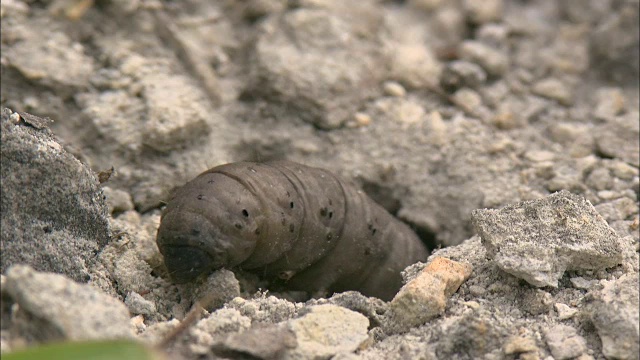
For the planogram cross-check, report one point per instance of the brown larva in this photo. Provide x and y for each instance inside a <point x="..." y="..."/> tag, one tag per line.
<point x="289" y="223"/>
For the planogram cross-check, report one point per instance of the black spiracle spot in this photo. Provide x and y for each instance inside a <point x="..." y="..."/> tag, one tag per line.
<point x="245" y="213"/>
<point x="291" y="205"/>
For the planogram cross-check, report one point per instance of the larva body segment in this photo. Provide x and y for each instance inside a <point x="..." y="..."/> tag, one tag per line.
<point x="286" y="221"/>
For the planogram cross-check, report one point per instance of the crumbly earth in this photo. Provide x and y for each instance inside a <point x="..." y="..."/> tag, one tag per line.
<point x="437" y="109"/>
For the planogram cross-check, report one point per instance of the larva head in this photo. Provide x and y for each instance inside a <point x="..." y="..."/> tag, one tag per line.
<point x="210" y="223"/>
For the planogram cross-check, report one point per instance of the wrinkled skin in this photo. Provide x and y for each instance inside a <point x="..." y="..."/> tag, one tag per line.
<point x="288" y="223"/>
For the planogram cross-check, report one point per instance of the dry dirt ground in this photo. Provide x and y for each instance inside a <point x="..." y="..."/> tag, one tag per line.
<point x="436" y="109"/>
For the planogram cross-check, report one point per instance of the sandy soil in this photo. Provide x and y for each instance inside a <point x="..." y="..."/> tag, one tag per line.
<point x="434" y="108"/>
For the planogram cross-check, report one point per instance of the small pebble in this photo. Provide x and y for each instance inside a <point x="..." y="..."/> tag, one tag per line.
<point x="518" y="345"/>
<point x="553" y="89"/>
<point x="493" y="34"/>
<point x="476" y="290"/>
<point x="483" y="11"/>
<point x="469" y="98"/>
<point x="623" y="170"/>
<point x="427" y="5"/>
<point x="540" y="155"/>
<point x="327" y="330"/>
<point x="414" y="65"/>
<point x="493" y="61"/>
<point x="118" y="201"/>
<point x="359" y="120"/>
<point x="609" y="103"/>
<point x="393" y="88"/>
<point x="460" y="73"/>
<point x="564" y="311"/>
<point x="139" y="305"/>
<point x="564" y="342"/>
<point x="409" y="112"/>
<point x="581" y="283"/>
<point x="472" y="304"/>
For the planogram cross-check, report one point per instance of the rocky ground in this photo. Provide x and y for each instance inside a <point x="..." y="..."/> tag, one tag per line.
<point x="506" y="133"/>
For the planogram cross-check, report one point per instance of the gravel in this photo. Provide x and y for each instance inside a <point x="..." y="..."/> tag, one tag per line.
<point x="505" y="133"/>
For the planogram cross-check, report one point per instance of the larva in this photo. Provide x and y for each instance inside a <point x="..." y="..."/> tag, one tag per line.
<point x="286" y="222"/>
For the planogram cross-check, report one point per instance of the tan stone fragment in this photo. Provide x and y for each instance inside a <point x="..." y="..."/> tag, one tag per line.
<point x="425" y="296"/>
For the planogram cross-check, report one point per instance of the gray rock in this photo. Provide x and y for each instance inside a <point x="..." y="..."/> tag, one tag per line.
<point x="600" y="179"/>
<point x="110" y="113"/>
<point x="564" y="342"/>
<point x="614" y="312"/>
<point x="471" y="336"/>
<point x="614" y="43"/>
<point x="521" y="345"/>
<point x="268" y="309"/>
<point x="458" y="74"/>
<point x="425" y="5"/>
<point x="496" y="35"/>
<point x="371" y="307"/>
<point x="620" y="138"/>
<point x="14" y="8"/>
<point x="173" y="121"/>
<point x="618" y="209"/>
<point x="564" y="311"/>
<point x="393" y="88"/>
<point x="536" y="302"/>
<point x="493" y="61"/>
<point x="221" y="286"/>
<point x="327" y="330"/>
<point x="118" y="201"/>
<point x="210" y="330"/>
<point x="54" y="216"/>
<point x="554" y="89"/>
<point x="139" y="305"/>
<point x="306" y="59"/>
<point x="48" y="62"/>
<point x="259" y="342"/>
<point x="538" y="240"/>
<point x="609" y="102"/>
<point x="585" y="11"/>
<point x="579" y="282"/>
<point x="483" y="11"/>
<point x="414" y="65"/>
<point x="58" y="308"/>
<point x="577" y="138"/>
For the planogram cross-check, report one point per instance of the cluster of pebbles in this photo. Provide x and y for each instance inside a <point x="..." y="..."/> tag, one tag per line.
<point x="506" y="133"/>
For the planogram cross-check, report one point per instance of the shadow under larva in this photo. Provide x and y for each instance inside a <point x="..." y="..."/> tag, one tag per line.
<point x="286" y="222"/>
